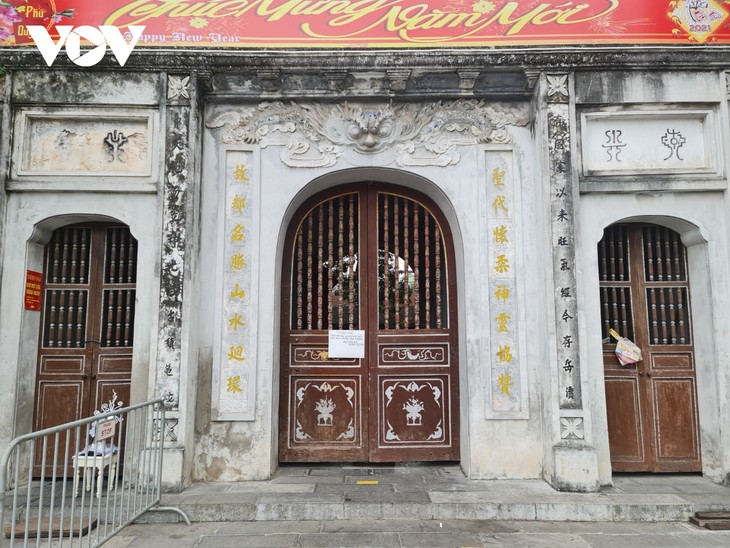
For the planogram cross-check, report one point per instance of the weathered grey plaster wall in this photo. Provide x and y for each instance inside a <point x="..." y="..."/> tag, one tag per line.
<point x="148" y="158"/>
<point x="38" y="201"/>
<point x="230" y="450"/>
<point x="172" y="210"/>
<point x="692" y="202"/>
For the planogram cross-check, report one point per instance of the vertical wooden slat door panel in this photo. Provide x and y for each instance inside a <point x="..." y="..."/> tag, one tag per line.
<point x="322" y="398"/>
<point x="412" y="325"/>
<point x="645" y="296"/>
<point x="364" y="257"/>
<point x="336" y="420"/>
<point x="625" y="433"/>
<point x="116" y="285"/>
<point x="675" y="408"/>
<point x="59" y="401"/>
<point x="87" y="323"/>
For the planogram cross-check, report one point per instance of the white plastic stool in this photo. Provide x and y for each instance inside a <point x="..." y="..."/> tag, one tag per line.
<point x="83" y="462"/>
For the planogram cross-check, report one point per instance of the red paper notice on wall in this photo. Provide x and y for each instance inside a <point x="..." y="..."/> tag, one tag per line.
<point x="33" y="286"/>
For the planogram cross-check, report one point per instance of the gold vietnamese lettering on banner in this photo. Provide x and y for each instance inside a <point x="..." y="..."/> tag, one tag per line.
<point x="507" y="394"/>
<point x="234" y="364"/>
<point x="380" y="23"/>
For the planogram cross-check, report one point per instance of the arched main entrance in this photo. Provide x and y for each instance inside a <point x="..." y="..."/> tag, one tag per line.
<point x="87" y="322"/>
<point x="652" y="406"/>
<point x="377" y="258"/>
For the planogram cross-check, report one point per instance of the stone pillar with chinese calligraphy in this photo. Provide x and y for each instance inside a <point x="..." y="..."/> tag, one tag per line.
<point x="177" y="225"/>
<point x="563" y="241"/>
<point x="574" y="467"/>
<point x="507" y="393"/>
<point x="234" y="363"/>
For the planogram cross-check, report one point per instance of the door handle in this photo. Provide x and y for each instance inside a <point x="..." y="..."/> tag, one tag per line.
<point x="641" y="373"/>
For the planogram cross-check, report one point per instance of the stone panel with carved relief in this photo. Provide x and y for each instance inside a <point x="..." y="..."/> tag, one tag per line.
<point x="57" y="145"/>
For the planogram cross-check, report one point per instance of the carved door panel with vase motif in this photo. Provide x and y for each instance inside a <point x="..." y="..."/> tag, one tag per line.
<point x="651" y="406"/>
<point x="375" y="258"/>
<point x="87" y="324"/>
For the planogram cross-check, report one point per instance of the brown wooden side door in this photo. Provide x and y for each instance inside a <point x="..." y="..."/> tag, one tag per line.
<point x="87" y="325"/>
<point x="651" y="406"/>
<point x="369" y="257"/>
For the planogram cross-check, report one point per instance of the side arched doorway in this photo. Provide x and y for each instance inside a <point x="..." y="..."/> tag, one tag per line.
<point x="87" y="322"/>
<point x="377" y="258"/>
<point x="652" y="411"/>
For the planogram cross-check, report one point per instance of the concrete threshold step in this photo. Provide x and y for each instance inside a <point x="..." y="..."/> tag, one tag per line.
<point x="429" y="506"/>
<point x="438" y="492"/>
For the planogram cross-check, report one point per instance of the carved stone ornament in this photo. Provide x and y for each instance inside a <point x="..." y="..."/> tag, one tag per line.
<point x="115" y="141"/>
<point x="177" y="87"/>
<point x="417" y="134"/>
<point x="170" y="432"/>
<point x="557" y="88"/>
<point x="571" y="428"/>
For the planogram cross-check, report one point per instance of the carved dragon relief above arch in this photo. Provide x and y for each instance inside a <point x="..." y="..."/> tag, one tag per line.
<point x="411" y="134"/>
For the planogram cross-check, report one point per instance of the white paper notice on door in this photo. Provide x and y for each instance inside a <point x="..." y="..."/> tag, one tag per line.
<point x="346" y="343"/>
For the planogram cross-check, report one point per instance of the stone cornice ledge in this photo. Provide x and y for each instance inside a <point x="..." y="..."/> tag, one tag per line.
<point x="563" y="58"/>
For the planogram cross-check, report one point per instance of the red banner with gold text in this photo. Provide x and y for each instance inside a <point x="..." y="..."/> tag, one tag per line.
<point x="381" y="23"/>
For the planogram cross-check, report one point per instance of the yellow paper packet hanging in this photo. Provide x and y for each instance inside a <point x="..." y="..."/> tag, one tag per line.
<point x="626" y="351"/>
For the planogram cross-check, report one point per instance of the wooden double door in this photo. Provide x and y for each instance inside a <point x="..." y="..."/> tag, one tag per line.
<point x="652" y="406"/>
<point x="379" y="259"/>
<point x="87" y="323"/>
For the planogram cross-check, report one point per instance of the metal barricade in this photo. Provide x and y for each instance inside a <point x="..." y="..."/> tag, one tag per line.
<point x="80" y="483"/>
